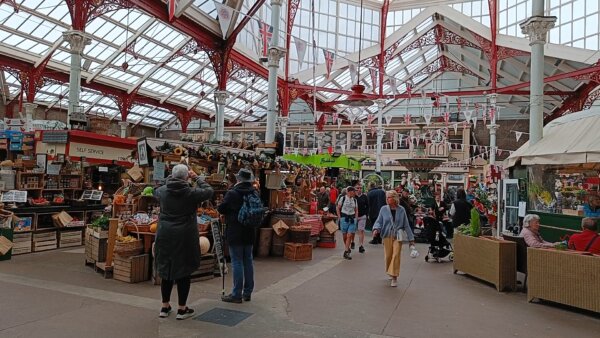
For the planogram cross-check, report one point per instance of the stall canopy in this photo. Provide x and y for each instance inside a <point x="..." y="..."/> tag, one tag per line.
<point x="325" y="161"/>
<point x="571" y="139"/>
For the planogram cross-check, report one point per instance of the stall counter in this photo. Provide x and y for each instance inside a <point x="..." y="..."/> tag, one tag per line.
<point x="554" y="226"/>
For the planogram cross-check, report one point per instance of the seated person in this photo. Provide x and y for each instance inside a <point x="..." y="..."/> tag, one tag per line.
<point x="531" y="234"/>
<point x="592" y="208"/>
<point x="588" y="239"/>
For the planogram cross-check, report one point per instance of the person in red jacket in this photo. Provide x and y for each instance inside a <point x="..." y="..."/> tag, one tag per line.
<point x="588" y="240"/>
<point x="333" y="194"/>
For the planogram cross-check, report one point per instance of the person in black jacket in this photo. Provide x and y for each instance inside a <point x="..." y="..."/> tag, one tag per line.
<point x="440" y="209"/>
<point x="240" y="238"/>
<point x="461" y="209"/>
<point x="377" y="199"/>
<point x="177" y="248"/>
<point x="363" y="209"/>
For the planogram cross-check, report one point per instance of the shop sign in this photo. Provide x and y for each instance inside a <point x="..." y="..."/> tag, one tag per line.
<point x="98" y="152"/>
<point x="55" y="137"/>
<point x="456" y="178"/>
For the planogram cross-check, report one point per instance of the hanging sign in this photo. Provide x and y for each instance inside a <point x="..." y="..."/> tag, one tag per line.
<point x="300" y="50"/>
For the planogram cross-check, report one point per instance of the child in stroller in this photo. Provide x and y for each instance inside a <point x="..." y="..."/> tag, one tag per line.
<point x="439" y="247"/>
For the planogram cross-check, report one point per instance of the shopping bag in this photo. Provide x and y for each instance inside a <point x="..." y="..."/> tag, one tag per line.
<point x="399" y="235"/>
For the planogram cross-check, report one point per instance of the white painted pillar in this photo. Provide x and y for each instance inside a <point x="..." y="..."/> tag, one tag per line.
<point x="123" y="125"/>
<point x="275" y="54"/>
<point x="380" y="105"/>
<point x="29" y="110"/>
<point x="537" y="27"/>
<point x="221" y="99"/>
<point x="493" y="127"/>
<point x="77" y="40"/>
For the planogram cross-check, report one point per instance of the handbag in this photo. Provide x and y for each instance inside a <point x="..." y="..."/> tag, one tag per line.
<point x="399" y="235"/>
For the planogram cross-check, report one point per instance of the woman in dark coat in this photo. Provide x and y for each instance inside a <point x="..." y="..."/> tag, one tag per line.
<point x="177" y="248"/>
<point x="460" y="211"/>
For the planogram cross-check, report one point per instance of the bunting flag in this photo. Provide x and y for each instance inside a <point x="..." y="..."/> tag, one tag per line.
<point x="458" y="103"/>
<point x="455" y="126"/>
<point x="484" y="118"/>
<point x="339" y="122"/>
<point x="518" y="134"/>
<point x="407" y="119"/>
<point x="474" y="147"/>
<point x="172" y="7"/>
<point x="343" y="147"/>
<point x="329" y="57"/>
<point x="373" y="73"/>
<point x="428" y="117"/>
<point x="447" y="104"/>
<point x="393" y="85"/>
<point x="300" y="49"/>
<point x="318" y="115"/>
<point x="266" y="35"/>
<point x="352" y="119"/>
<point x="492" y="113"/>
<point x="334" y="117"/>
<point x="474" y="119"/>
<point x="388" y="119"/>
<point x="498" y="151"/>
<point x="409" y="90"/>
<point x="370" y="118"/>
<point x="446" y="117"/>
<point x="353" y="67"/>
<point x="468" y="114"/>
<point x="224" y="13"/>
<point x="462" y="147"/>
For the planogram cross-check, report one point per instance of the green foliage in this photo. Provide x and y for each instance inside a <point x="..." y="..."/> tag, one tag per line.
<point x="475" y="223"/>
<point x="101" y="222"/>
<point x="464" y="229"/>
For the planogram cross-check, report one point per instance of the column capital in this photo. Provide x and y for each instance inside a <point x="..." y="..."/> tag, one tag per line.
<point x="537" y="27"/>
<point x="493" y="128"/>
<point x="77" y="40"/>
<point x="276" y="2"/>
<point x="380" y="103"/>
<point x="29" y="107"/>
<point x="221" y="96"/>
<point x="283" y="121"/>
<point x="275" y="54"/>
<point x="493" y="98"/>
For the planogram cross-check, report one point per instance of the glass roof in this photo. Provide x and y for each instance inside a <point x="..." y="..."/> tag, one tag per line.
<point x="131" y="50"/>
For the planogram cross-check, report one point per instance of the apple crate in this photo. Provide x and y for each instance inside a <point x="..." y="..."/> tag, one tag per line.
<point x="298" y="251"/>
<point x="21" y="243"/>
<point x="95" y="248"/>
<point x="132" y="269"/>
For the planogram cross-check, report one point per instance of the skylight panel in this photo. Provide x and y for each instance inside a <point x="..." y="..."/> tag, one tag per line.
<point x="14" y="40"/>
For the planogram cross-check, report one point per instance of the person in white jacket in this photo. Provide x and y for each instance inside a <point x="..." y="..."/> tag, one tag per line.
<point x="390" y="224"/>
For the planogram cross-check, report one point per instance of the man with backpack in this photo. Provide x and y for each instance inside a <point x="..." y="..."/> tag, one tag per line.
<point x="347" y="211"/>
<point x="363" y="209"/>
<point x="243" y="211"/>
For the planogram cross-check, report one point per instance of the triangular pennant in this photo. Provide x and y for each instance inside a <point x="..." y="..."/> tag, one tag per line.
<point x="339" y="123"/>
<point x="462" y="147"/>
<point x="224" y="13"/>
<point x="458" y="103"/>
<point x="468" y="114"/>
<point x="318" y="115"/>
<point x="370" y="118"/>
<point x="373" y="73"/>
<point x="455" y="127"/>
<point x="409" y="90"/>
<point x="446" y="117"/>
<point x="334" y="117"/>
<point x="300" y="49"/>
<point x="407" y="119"/>
<point x="428" y="117"/>
<point x="474" y="119"/>
<point x="474" y="147"/>
<point x="353" y="66"/>
<point x="393" y="85"/>
<point x="388" y="119"/>
<point x="518" y="134"/>
<point x="484" y="117"/>
<point x="352" y="119"/>
<point x="343" y="147"/>
<point x="329" y="57"/>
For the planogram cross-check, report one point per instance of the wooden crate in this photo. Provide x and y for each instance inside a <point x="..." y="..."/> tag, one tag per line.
<point x="298" y="251"/>
<point x="70" y="238"/>
<point x="206" y="269"/>
<point x="132" y="269"/>
<point x="95" y="248"/>
<point x="44" y="241"/>
<point x="21" y="243"/>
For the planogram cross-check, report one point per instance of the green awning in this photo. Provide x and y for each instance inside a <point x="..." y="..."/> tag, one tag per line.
<point x="325" y="161"/>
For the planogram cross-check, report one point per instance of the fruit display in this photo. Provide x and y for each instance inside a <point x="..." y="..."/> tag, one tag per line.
<point x="153" y="227"/>
<point x="38" y="201"/>
<point x="210" y="212"/>
<point x="148" y="191"/>
<point x="58" y="199"/>
<point x="126" y="239"/>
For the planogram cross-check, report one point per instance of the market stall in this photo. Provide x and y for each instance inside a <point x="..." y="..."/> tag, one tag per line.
<point x="563" y="171"/>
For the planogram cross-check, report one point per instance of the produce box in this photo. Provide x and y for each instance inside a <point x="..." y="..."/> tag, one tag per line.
<point x="132" y="269"/>
<point x="6" y="244"/>
<point x="21" y="243"/>
<point x="44" y="241"/>
<point x="70" y="238"/>
<point x="298" y="251"/>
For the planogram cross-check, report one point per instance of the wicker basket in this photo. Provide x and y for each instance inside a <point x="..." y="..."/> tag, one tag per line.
<point x="99" y="125"/>
<point x="128" y="249"/>
<point x="299" y="236"/>
<point x="134" y="189"/>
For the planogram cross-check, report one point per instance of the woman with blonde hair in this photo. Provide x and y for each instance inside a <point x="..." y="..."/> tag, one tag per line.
<point x="390" y="224"/>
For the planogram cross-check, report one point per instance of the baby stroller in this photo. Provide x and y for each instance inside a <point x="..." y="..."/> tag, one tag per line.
<point x="439" y="247"/>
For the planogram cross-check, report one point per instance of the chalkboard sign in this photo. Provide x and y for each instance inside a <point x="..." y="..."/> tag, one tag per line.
<point x="94" y="195"/>
<point x="218" y="244"/>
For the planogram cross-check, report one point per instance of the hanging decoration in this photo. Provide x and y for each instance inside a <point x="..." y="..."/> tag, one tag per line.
<point x="318" y="115"/>
<point x="458" y="103"/>
<point x="171" y="8"/>
<point x="300" y="50"/>
<point x="388" y="120"/>
<point x="373" y="73"/>
<point x="407" y="118"/>
<point x="455" y="127"/>
<point x="474" y="119"/>
<point x="428" y="117"/>
<point x="329" y="57"/>
<point x="370" y="118"/>
<point x="446" y="118"/>
<point x="266" y="35"/>
<point x="224" y="13"/>
<point x="468" y="114"/>
<point x="352" y="67"/>
<point x="334" y="117"/>
<point x="518" y="134"/>
<point x="394" y="86"/>
<point x="339" y="123"/>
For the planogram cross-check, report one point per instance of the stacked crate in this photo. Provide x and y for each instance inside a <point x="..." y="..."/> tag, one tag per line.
<point x="21" y="243"/>
<point x="44" y="241"/>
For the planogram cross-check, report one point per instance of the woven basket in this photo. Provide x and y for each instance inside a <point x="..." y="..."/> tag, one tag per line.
<point x="128" y="249"/>
<point x="134" y="189"/>
<point x="99" y="125"/>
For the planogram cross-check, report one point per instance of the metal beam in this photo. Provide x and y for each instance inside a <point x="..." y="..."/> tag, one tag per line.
<point x="158" y="65"/>
<point x="585" y="71"/>
<point x="182" y="83"/>
<point x="50" y="51"/>
<point x="231" y="38"/>
<point x="182" y="5"/>
<point x="120" y="50"/>
<point x="4" y="88"/>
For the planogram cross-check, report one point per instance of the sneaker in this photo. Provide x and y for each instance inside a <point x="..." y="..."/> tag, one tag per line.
<point x="361" y="249"/>
<point x="231" y="299"/>
<point x="246" y="298"/>
<point x="164" y="312"/>
<point x="352" y="246"/>
<point x="184" y="314"/>
<point x="347" y="255"/>
<point x="394" y="283"/>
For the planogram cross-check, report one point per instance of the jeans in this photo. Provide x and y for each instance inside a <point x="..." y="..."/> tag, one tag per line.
<point x="243" y="270"/>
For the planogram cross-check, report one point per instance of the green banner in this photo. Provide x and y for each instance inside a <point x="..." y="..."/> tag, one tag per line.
<point x="325" y="161"/>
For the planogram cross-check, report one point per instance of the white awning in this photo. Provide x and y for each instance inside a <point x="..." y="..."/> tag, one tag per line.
<point x="571" y="139"/>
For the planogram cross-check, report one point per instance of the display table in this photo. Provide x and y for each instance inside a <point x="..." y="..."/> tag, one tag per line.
<point x="565" y="277"/>
<point x="491" y="260"/>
